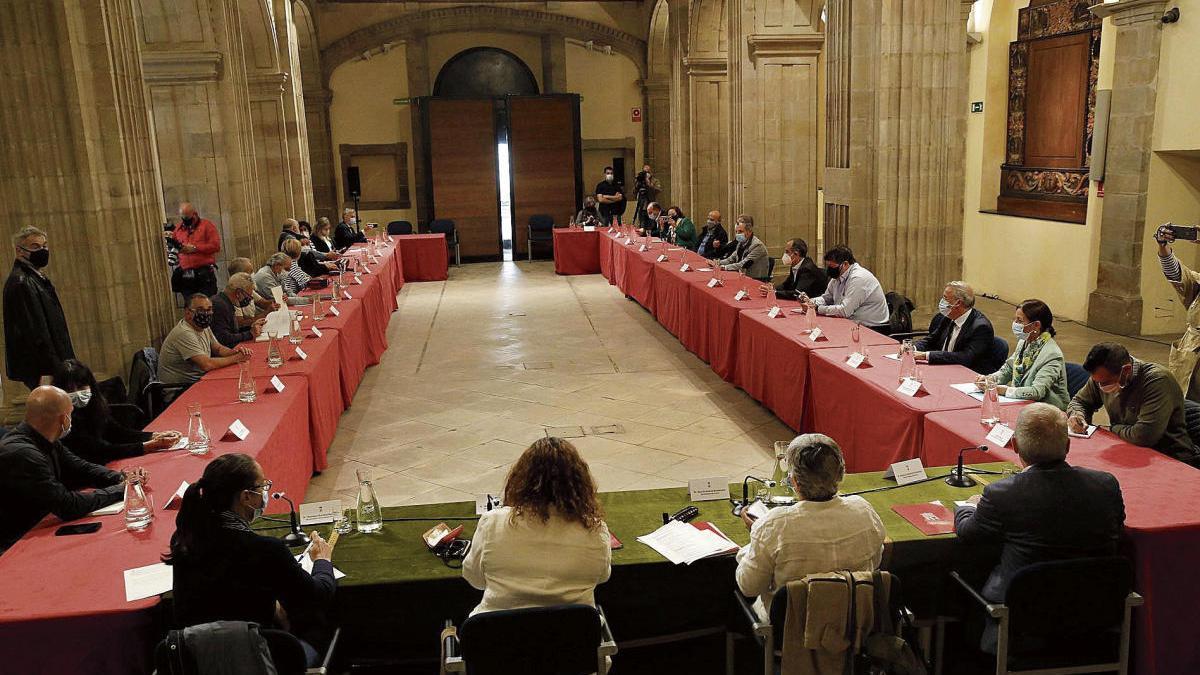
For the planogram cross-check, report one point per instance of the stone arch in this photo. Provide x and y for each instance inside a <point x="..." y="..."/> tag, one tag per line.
<point x="310" y="50"/>
<point x="259" y="39"/>
<point x="485" y="71"/>
<point x="658" y="45"/>
<point x="709" y="29"/>
<point x="485" y="18"/>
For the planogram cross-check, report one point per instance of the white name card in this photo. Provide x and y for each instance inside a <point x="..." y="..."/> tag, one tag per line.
<point x="816" y="334"/>
<point x="774" y="312"/>
<point x="908" y="471"/>
<point x="662" y="258"/>
<point x="685" y="267"/>
<point x="238" y="430"/>
<point x="367" y="270"/>
<point x="709" y="489"/>
<point x="589" y="228"/>
<point x="855" y="360"/>
<point x="175" y="499"/>
<point x="358" y="280"/>
<point x="335" y="311"/>
<point x="714" y="282"/>
<point x="301" y="354"/>
<point x="277" y="384"/>
<point x="317" y="331"/>
<point x="628" y="241"/>
<point x="316" y="513"/>
<point x="642" y="248"/>
<point x="1000" y="435"/>
<point x="909" y="387"/>
<point x="741" y="295"/>
<point x="346" y="295"/>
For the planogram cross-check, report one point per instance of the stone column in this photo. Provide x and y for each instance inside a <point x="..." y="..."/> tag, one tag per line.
<point x="416" y="58"/>
<point x="79" y="163"/>
<point x="295" y="122"/>
<point x="320" y="148"/>
<point x="554" y="64"/>
<point x="657" y="126"/>
<point x="1116" y="304"/>
<point x="678" y="23"/>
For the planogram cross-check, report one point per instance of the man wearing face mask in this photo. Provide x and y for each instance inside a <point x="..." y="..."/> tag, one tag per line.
<point x="654" y="224"/>
<point x="226" y="326"/>
<point x="36" y="338"/>
<point x="610" y="195"/>
<point x="1143" y="401"/>
<point x="713" y="236"/>
<point x="277" y="273"/>
<point x="958" y="333"/>
<point x="853" y="292"/>
<point x="750" y="255"/>
<point x="199" y="242"/>
<point x="803" y="277"/>
<point x="348" y="232"/>
<point x="191" y="349"/>
<point x="36" y="470"/>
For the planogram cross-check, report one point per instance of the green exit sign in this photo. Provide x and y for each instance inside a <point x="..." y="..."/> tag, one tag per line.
<point x="401" y="101"/>
<point x="976" y="106"/>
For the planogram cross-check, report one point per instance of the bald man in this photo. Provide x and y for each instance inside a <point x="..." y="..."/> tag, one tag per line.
<point x="713" y="236"/>
<point x="39" y="476"/>
<point x="199" y="243"/>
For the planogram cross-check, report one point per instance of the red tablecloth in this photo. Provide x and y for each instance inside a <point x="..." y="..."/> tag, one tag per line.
<point x="772" y="356"/>
<point x="605" y="249"/>
<point x="576" y="251"/>
<point x="354" y="354"/>
<point x="638" y="278"/>
<point x="710" y="329"/>
<point x="423" y="256"/>
<point x="320" y="369"/>
<point x="861" y="409"/>
<point x="64" y="608"/>
<point x="1161" y="522"/>
<point x="673" y="292"/>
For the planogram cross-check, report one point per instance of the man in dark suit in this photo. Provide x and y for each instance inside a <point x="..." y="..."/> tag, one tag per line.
<point x="230" y="329"/>
<point x="1049" y="511"/>
<point x="959" y="333"/>
<point x="38" y="475"/>
<point x="803" y="276"/>
<point x="36" y="338"/>
<point x="347" y="231"/>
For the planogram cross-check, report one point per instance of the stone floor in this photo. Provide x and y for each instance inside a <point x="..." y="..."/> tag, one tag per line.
<point x="481" y="365"/>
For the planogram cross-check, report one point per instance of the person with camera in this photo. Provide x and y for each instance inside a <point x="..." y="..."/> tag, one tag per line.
<point x="646" y="187"/>
<point x="1185" y="352"/>
<point x="199" y="242"/>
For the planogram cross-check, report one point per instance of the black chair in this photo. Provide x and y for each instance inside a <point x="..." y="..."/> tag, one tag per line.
<point x="287" y="655"/>
<point x="446" y="226"/>
<point x="1191" y="417"/>
<point x="900" y="316"/>
<point x="1065" y="616"/>
<point x="557" y="640"/>
<point x="541" y="230"/>
<point x="770" y="269"/>
<point x="1076" y="378"/>
<point x="149" y="393"/>
<point x="999" y="354"/>
<point x="399" y="227"/>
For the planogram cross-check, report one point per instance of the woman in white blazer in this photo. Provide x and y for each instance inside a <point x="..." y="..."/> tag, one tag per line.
<point x="548" y="544"/>
<point x="1036" y="369"/>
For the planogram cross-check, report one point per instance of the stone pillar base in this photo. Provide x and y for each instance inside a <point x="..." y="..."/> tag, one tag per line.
<point x="1115" y="313"/>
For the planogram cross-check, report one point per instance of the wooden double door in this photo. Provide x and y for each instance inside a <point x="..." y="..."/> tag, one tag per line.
<point x="461" y="139"/>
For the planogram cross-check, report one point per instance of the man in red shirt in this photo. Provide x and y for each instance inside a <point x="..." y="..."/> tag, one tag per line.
<point x="199" y="241"/>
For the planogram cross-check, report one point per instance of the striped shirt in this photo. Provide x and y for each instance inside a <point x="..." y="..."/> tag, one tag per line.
<point x="1170" y="268"/>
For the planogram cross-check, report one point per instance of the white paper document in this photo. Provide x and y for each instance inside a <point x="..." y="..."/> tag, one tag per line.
<point x="277" y="295"/>
<point x="110" y="510"/>
<point x="971" y="390"/>
<point x="757" y="509"/>
<point x="306" y="564"/>
<point x="681" y="543"/>
<point x="1087" y="433"/>
<point x="894" y="357"/>
<point x="148" y="581"/>
<point x="279" y="322"/>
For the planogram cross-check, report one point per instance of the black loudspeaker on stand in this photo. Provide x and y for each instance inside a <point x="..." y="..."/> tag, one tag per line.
<point x="354" y="187"/>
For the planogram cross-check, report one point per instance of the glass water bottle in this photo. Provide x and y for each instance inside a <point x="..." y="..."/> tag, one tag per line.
<point x="274" y="358"/>
<point x="247" y="393"/>
<point x="139" y="510"/>
<point x="197" y="434"/>
<point x="989" y="412"/>
<point x="295" y="336"/>
<point x="370" y="516"/>
<point x="908" y="361"/>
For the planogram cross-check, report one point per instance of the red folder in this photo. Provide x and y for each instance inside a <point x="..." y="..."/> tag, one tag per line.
<point x="929" y="517"/>
<point x="705" y="525"/>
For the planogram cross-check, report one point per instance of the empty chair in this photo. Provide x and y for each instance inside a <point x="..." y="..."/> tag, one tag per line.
<point x="541" y="230"/>
<point x="556" y="640"/>
<point x="399" y="227"/>
<point x="446" y="226"/>
<point x="1065" y="616"/>
<point x="1076" y="378"/>
<point x="770" y="269"/>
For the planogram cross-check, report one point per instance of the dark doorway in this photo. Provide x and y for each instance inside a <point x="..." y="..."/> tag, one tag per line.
<point x="484" y="72"/>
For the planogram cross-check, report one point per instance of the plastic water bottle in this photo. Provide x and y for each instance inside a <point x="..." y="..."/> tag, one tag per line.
<point x="197" y="434"/>
<point x="370" y="516"/>
<point x="247" y="393"/>
<point x="139" y="511"/>
<point x="989" y="412"/>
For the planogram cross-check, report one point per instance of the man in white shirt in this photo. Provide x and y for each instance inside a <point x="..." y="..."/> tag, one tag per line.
<point x="822" y="532"/>
<point x="959" y="333"/>
<point x="853" y="292"/>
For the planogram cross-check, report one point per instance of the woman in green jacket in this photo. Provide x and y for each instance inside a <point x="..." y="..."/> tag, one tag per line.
<point x="684" y="229"/>
<point x="1036" y="370"/>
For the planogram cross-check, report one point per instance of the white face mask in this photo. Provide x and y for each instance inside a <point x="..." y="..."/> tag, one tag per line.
<point x="786" y="260"/>
<point x="608" y="177"/>
<point x="81" y="398"/>
<point x="258" y="512"/>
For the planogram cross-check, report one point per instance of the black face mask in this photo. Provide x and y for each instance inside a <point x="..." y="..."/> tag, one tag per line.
<point x="245" y="302"/>
<point x="833" y="272"/>
<point x="39" y="258"/>
<point x="202" y="319"/>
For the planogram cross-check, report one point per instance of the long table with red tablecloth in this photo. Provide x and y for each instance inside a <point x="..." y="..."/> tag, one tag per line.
<point x="64" y="608"/>
<point x="576" y="251"/>
<point x="811" y="387"/>
<point x="425" y="256"/>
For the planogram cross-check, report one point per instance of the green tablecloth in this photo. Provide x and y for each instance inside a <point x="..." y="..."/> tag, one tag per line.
<point x="396" y="594"/>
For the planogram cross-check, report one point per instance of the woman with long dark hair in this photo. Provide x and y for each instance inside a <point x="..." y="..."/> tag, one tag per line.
<point x="95" y="435"/>
<point x="548" y="544"/>
<point x="224" y="571"/>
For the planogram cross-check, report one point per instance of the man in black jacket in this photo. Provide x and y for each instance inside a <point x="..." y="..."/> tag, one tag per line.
<point x="1049" y="511"/>
<point x="347" y="231"/>
<point x="959" y="333"/>
<point x="36" y="338"/>
<point x="39" y="476"/>
<point x="230" y="329"/>
<point x="803" y="277"/>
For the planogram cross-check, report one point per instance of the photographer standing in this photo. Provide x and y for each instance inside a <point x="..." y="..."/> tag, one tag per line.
<point x="646" y="187"/>
<point x="610" y="195"/>
<point x="1185" y="352"/>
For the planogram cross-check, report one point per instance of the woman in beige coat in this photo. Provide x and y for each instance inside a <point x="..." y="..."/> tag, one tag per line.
<point x="1185" y="352"/>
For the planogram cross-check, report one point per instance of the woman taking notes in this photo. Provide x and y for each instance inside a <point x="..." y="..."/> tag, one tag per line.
<point x="1036" y="370"/>
<point x="548" y="544"/>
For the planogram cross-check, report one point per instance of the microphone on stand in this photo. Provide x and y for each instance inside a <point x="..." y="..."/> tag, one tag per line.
<point x="958" y="478"/>
<point x="739" y="507"/>
<point x="296" y="538"/>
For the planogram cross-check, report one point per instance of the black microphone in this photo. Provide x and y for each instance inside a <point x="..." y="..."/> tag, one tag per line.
<point x="296" y="537"/>
<point x="737" y="508"/>
<point x="957" y="477"/>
